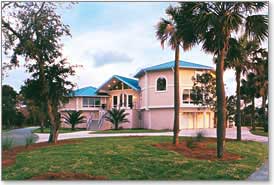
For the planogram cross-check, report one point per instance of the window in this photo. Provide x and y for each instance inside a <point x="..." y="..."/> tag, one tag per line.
<point x="161" y="84"/>
<point x="91" y="102"/>
<point x="130" y="103"/>
<point x="186" y="96"/>
<point x="115" y="101"/>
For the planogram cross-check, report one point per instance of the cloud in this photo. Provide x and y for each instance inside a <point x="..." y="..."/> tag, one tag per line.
<point x="110" y="57"/>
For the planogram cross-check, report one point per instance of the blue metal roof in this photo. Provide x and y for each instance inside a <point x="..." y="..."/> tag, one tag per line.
<point x="169" y="65"/>
<point x="128" y="81"/>
<point x="86" y="91"/>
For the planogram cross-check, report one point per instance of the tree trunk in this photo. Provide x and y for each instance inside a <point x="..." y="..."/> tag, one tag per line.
<point x="72" y="127"/>
<point x="221" y="103"/>
<point x="116" y="126"/>
<point x="264" y="113"/>
<point x="42" y="126"/>
<point x="176" y="97"/>
<point x="238" y="104"/>
<point x="54" y="127"/>
<point x="252" y="114"/>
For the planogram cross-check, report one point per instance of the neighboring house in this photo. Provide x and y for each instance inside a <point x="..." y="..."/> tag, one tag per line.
<point x="148" y="100"/>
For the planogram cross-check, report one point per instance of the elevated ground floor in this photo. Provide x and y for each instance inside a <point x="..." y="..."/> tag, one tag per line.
<point x="157" y="119"/>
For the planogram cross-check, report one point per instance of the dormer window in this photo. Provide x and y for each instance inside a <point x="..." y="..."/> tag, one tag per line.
<point x="161" y="84"/>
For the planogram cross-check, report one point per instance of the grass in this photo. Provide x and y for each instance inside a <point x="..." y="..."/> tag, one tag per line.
<point x="135" y="130"/>
<point x="259" y="131"/>
<point x="134" y="158"/>
<point x="61" y="130"/>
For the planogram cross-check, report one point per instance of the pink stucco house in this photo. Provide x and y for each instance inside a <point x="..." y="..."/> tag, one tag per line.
<point x="148" y="98"/>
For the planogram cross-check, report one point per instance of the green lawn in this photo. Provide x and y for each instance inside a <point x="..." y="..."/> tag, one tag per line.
<point x="61" y="130"/>
<point x="137" y="130"/>
<point x="120" y="158"/>
<point x="259" y="131"/>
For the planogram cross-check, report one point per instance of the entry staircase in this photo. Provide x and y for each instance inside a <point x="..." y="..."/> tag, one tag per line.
<point x="96" y="124"/>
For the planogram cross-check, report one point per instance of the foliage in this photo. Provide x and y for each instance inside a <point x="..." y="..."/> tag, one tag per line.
<point x="29" y="140"/>
<point x="200" y="136"/>
<point x="117" y="116"/>
<point x="215" y="23"/>
<point x="73" y="118"/>
<point x="190" y="143"/>
<point x="128" y="158"/>
<point x="7" y="143"/>
<point x="204" y="90"/>
<point x="177" y="31"/>
<point x="231" y="107"/>
<point x="259" y="131"/>
<point x="12" y="117"/>
<point x="36" y="37"/>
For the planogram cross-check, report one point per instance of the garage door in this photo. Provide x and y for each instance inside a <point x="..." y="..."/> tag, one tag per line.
<point x="187" y="120"/>
<point x="200" y="120"/>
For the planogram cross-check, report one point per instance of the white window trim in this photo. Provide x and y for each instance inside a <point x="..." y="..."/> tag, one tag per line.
<point x="163" y="91"/>
<point x="118" y="101"/>
<point x="189" y="103"/>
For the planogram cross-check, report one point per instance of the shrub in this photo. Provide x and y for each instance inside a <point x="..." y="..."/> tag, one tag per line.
<point x="29" y="140"/>
<point x="7" y="143"/>
<point x="190" y="143"/>
<point x="200" y="136"/>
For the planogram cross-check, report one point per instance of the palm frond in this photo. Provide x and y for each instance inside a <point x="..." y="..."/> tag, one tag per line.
<point x="256" y="27"/>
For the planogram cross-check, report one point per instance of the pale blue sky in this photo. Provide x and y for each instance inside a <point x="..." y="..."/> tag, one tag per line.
<point x="120" y="34"/>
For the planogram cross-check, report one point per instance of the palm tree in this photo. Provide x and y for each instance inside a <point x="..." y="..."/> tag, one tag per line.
<point x="117" y="116"/>
<point x="238" y="58"/>
<point x="261" y="70"/>
<point x="73" y="118"/>
<point x="249" y="89"/>
<point x="215" y="22"/>
<point x="176" y="31"/>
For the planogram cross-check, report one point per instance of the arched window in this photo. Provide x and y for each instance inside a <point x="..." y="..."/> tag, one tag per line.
<point x="161" y="84"/>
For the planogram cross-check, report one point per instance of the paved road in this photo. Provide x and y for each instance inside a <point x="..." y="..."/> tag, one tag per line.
<point x="19" y="135"/>
<point x="261" y="174"/>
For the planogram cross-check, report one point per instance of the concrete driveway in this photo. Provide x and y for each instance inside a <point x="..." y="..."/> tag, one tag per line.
<point x="19" y="135"/>
<point x="230" y="133"/>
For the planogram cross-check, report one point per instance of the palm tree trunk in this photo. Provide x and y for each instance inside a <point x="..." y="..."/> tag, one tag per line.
<point x="238" y="104"/>
<point x="252" y="114"/>
<point x="116" y="126"/>
<point x="221" y="104"/>
<point x="176" y="97"/>
<point x="264" y="114"/>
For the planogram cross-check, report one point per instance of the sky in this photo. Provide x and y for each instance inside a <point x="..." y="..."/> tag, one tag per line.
<point x="111" y="38"/>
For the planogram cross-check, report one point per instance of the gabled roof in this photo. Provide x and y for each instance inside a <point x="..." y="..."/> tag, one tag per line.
<point x="132" y="83"/>
<point x="129" y="81"/>
<point x="169" y="65"/>
<point x="86" y="91"/>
